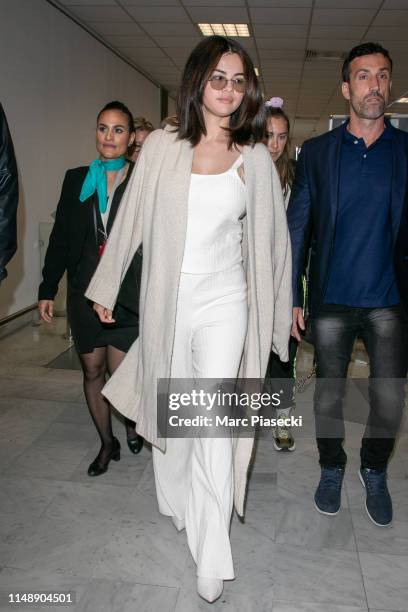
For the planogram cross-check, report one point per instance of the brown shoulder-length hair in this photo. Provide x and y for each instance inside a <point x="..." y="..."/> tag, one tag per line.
<point x="246" y="124"/>
<point x="284" y="165"/>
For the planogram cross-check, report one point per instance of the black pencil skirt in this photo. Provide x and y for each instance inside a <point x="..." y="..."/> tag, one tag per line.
<point x="87" y="330"/>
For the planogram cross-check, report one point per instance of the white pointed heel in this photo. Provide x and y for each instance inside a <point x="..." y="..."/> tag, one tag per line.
<point x="179" y="524"/>
<point x="210" y="589"/>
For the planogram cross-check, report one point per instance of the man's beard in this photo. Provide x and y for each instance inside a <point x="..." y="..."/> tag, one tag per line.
<point x="365" y="110"/>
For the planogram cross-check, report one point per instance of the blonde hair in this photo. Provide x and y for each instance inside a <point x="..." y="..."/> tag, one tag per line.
<point x="141" y="123"/>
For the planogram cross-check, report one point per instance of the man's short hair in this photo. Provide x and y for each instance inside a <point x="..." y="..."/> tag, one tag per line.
<point x="368" y="48"/>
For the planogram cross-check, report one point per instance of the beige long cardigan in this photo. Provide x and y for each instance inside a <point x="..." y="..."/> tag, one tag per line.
<point x="154" y="211"/>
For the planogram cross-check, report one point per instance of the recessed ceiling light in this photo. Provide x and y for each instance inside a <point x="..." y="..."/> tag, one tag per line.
<point x="402" y="101"/>
<point x="230" y="29"/>
<point x="206" y="29"/>
<point x="225" y="29"/>
<point x="218" y="28"/>
<point x="242" y="29"/>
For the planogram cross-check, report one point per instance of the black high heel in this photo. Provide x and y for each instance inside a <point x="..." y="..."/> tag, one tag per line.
<point x="97" y="468"/>
<point x="135" y="444"/>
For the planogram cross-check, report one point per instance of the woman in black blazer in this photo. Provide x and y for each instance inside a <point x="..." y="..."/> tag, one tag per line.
<point x="88" y="205"/>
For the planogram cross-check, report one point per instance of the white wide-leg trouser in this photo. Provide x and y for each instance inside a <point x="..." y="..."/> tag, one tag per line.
<point x="194" y="477"/>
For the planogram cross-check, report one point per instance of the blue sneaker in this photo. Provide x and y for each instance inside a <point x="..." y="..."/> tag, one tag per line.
<point x="328" y="494"/>
<point x="378" y="499"/>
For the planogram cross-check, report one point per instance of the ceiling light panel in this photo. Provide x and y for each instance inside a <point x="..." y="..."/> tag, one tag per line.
<point x="218" y="28"/>
<point x="225" y="29"/>
<point x="206" y="29"/>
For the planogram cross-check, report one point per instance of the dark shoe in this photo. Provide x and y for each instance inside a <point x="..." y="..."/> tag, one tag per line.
<point x="97" y="467"/>
<point x="328" y="494"/>
<point x="135" y="444"/>
<point x="378" y="499"/>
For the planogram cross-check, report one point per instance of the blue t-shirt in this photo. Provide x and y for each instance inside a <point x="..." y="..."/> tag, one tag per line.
<point x="361" y="268"/>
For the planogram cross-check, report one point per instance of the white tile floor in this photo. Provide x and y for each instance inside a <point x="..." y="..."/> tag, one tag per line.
<point x="105" y="539"/>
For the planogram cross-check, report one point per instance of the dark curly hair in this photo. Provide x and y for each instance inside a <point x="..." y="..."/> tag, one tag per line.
<point x="116" y="105"/>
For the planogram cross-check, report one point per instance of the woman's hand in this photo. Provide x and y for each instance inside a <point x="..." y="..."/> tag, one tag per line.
<point x="46" y="310"/>
<point x="104" y="314"/>
<point x="298" y="323"/>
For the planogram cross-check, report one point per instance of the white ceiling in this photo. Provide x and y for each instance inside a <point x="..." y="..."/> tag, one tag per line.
<point x="156" y="36"/>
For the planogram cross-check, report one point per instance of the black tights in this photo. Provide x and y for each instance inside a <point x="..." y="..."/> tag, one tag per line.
<point x="95" y="365"/>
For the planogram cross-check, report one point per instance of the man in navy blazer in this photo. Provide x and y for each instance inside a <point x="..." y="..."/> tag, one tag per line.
<point x="349" y="203"/>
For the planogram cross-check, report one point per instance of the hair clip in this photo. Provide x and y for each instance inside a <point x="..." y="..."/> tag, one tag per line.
<point x="274" y="102"/>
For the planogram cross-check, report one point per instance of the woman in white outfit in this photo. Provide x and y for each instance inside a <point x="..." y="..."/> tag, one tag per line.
<point x="215" y="291"/>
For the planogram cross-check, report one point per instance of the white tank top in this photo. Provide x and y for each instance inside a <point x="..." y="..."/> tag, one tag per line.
<point x="214" y="230"/>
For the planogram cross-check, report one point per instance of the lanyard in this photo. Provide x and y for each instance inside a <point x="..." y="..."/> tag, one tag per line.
<point x="118" y="180"/>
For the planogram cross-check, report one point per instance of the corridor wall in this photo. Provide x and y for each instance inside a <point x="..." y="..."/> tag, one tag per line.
<point x="54" y="78"/>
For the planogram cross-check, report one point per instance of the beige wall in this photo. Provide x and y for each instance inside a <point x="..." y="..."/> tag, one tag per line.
<point x="171" y="107"/>
<point x="54" y="79"/>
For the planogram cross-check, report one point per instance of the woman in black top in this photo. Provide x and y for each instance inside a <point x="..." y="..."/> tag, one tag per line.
<point x="88" y="205"/>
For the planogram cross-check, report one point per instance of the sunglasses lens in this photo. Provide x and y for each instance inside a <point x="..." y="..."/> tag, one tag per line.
<point x="219" y="83"/>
